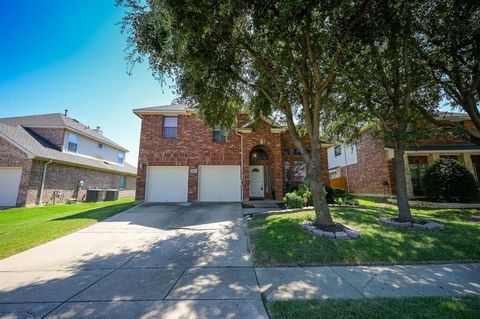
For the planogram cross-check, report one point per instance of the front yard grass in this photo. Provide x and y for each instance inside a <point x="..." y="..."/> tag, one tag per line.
<point x="22" y="228"/>
<point x="278" y="240"/>
<point x="412" y="307"/>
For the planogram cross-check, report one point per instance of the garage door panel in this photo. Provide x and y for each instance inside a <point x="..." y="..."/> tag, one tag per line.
<point x="9" y="185"/>
<point x="219" y="183"/>
<point x="167" y="184"/>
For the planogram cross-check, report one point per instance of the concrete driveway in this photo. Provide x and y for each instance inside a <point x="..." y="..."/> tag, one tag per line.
<point x="167" y="261"/>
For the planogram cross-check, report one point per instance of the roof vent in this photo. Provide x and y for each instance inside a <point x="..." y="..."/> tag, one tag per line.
<point x="98" y="130"/>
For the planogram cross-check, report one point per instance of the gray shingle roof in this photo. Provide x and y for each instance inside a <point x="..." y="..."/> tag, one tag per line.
<point x="21" y="138"/>
<point x="59" y="120"/>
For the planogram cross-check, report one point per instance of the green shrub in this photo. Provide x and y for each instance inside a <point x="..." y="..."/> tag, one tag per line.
<point x="293" y="200"/>
<point x="448" y="179"/>
<point x="304" y="191"/>
<point x="334" y="193"/>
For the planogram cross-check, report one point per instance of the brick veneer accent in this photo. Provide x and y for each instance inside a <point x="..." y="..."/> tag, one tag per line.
<point x="194" y="146"/>
<point x="65" y="179"/>
<point x="11" y="156"/>
<point x="372" y="168"/>
<point x="53" y="135"/>
<point x="59" y="177"/>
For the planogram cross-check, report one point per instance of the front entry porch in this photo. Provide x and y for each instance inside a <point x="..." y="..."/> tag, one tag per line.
<point x="259" y="174"/>
<point x="417" y="163"/>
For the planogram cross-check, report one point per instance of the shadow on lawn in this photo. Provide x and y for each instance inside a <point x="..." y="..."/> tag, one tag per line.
<point x="140" y="260"/>
<point x="99" y="213"/>
<point x="281" y="241"/>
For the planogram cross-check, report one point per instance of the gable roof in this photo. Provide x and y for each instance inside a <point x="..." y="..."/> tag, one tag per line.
<point x="36" y="147"/>
<point x="58" y="120"/>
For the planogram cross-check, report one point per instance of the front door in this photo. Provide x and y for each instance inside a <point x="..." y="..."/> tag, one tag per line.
<point x="256" y="181"/>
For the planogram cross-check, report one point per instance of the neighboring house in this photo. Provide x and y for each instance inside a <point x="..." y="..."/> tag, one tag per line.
<point x="43" y="158"/>
<point x="181" y="159"/>
<point x="370" y="168"/>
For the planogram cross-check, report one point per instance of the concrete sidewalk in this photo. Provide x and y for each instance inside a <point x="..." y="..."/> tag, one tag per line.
<point x="369" y="281"/>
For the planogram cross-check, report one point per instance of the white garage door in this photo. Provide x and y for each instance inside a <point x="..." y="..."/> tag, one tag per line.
<point x="9" y="183"/>
<point x="219" y="183"/>
<point x="166" y="184"/>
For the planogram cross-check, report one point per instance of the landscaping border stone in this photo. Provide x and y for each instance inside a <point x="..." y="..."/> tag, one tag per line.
<point x="339" y="235"/>
<point x="425" y="204"/>
<point x="424" y="225"/>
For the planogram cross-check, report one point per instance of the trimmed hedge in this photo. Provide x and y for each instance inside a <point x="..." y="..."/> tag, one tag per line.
<point x="449" y="180"/>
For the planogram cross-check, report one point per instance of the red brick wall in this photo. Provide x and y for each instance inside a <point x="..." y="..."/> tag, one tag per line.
<point x="53" y="135"/>
<point x="262" y="137"/>
<point x="372" y="168"/>
<point x="65" y="179"/>
<point x="11" y="156"/>
<point x="194" y="146"/>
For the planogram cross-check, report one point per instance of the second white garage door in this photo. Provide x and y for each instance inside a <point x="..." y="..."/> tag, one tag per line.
<point x="167" y="184"/>
<point x="9" y="183"/>
<point x="219" y="183"/>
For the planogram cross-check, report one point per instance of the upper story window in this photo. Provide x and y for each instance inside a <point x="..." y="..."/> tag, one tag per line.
<point x="219" y="135"/>
<point x="337" y="150"/>
<point x="120" y="158"/>
<point x="169" y="126"/>
<point x="72" y="142"/>
<point x="101" y="146"/>
<point x="296" y="151"/>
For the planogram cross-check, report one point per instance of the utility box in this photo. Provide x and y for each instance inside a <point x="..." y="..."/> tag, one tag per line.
<point x="111" y="194"/>
<point x="95" y="195"/>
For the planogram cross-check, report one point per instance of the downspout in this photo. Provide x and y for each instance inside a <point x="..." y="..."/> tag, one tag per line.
<point x="43" y="182"/>
<point x="346" y="168"/>
<point x="241" y="163"/>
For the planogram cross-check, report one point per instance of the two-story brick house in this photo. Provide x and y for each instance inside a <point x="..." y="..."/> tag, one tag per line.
<point x="367" y="166"/>
<point x="181" y="159"/>
<point x="52" y="158"/>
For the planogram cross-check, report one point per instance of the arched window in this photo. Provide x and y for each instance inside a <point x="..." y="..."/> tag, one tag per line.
<point x="258" y="154"/>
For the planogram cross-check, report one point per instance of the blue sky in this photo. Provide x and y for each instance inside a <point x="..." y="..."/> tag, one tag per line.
<point x="58" y="54"/>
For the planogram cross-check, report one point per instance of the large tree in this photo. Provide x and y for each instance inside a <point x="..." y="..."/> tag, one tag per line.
<point x="448" y="38"/>
<point x="268" y="56"/>
<point x="386" y="83"/>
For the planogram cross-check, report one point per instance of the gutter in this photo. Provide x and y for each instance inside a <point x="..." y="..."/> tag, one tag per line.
<point x="346" y="168"/>
<point x="241" y="163"/>
<point x="43" y="182"/>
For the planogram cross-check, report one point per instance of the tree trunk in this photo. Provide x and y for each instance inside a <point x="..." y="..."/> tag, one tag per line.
<point x="404" y="214"/>
<point x="314" y="174"/>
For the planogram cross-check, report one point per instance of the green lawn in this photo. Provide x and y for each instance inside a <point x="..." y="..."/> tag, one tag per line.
<point x="23" y="228"/>
<point x="413" y="307"/>
<point x="278" y="240"/>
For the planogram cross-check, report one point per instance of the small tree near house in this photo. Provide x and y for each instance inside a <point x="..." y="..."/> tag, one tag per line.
<point x="388" y="85"/>
<point x="268" y="56"/>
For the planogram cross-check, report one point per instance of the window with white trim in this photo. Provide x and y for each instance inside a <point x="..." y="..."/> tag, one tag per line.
<point x="337" y="150"/>
<point x="72" y="142"/>
<point x="219" y="135"/>
<point x="169" y="127"/>
<point x="120" y="158"/>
